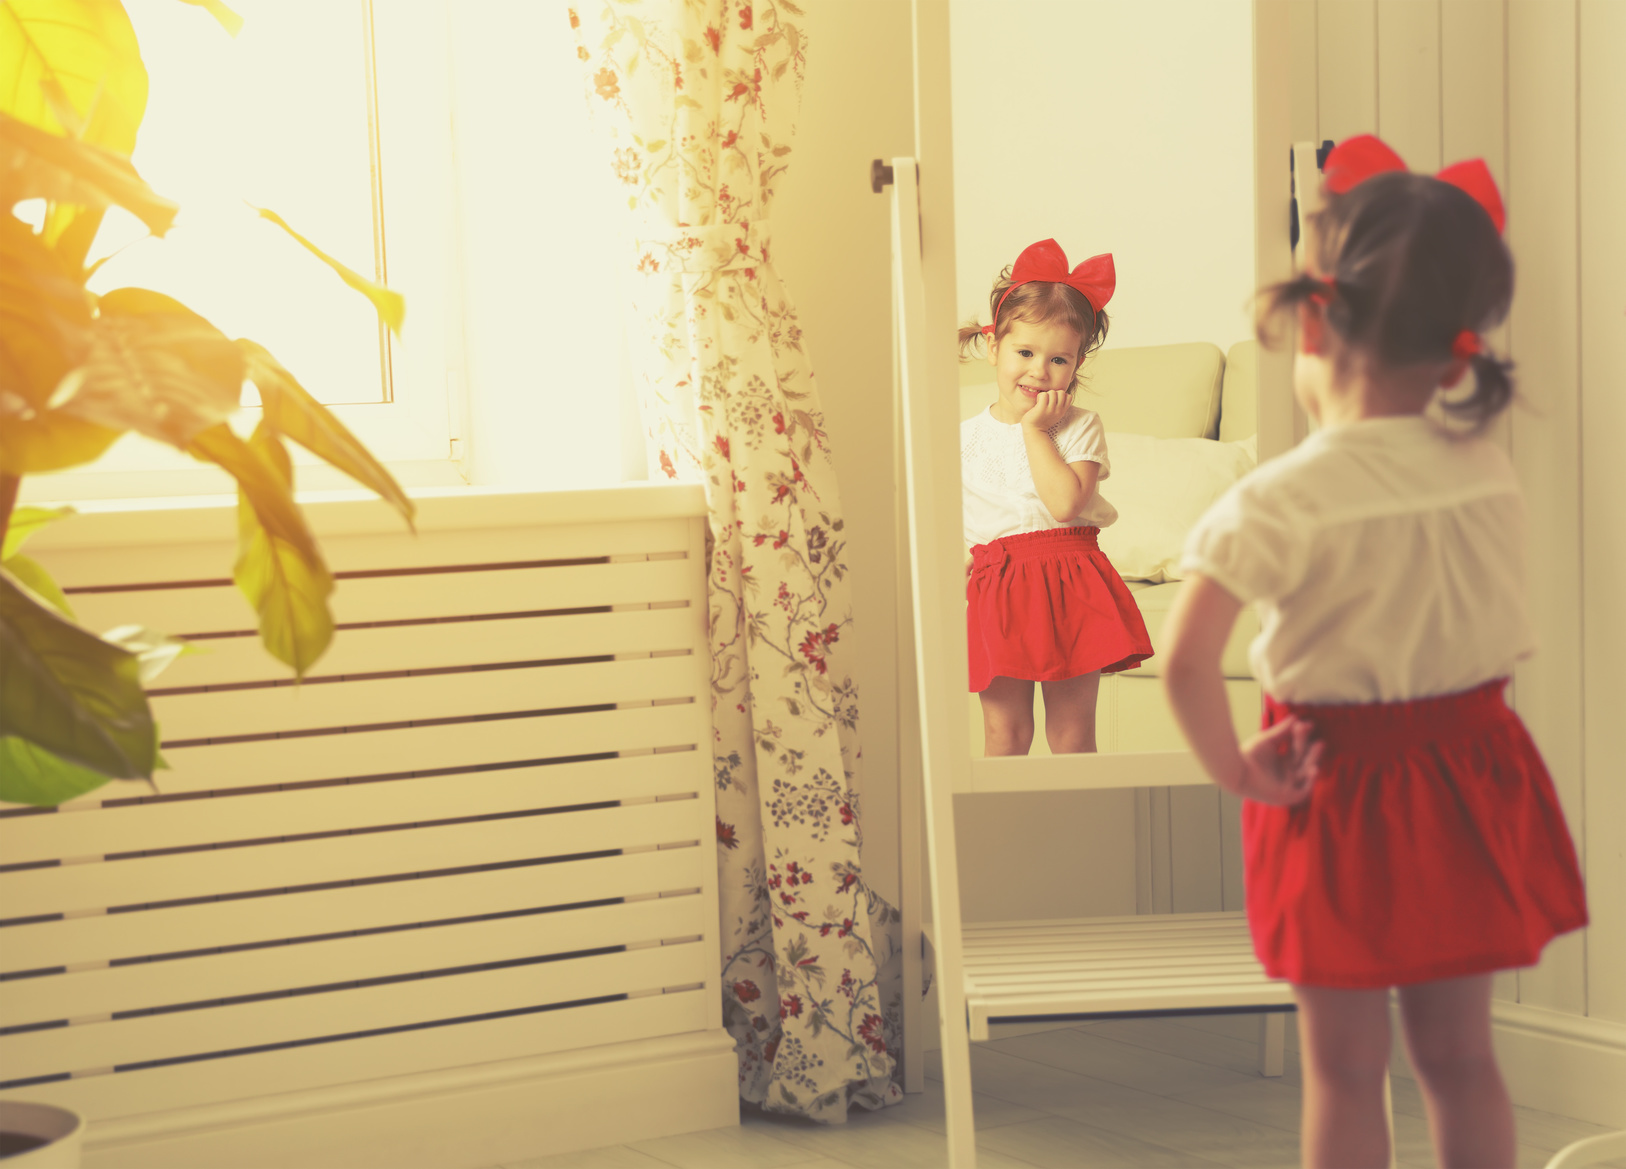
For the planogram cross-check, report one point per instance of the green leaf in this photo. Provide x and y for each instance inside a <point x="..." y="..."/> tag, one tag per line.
<point x="227" y="19"/>
<point x="70" y="692"/>
<point x="390" y="306"/>
<point x="29" y="572"/>
<point x="153" y="650"/>
<point x="292" y="412"/>
<point x="73" y="173"/>
<point x="29" y="774"/>
<point x="25" y="521"/>
<point x="279" y="567"/>
<point x="157" y="368"/>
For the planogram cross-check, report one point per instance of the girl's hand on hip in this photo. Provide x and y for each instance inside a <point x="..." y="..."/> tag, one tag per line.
<point x="1279" y="765"/>
<point x="1048" y="409"/>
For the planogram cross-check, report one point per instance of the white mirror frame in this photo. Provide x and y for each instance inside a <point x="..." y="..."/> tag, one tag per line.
<point x="932" y="643"/>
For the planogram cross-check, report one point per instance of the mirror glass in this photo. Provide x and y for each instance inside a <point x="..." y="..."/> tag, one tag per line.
<point x="1121" y="126"/>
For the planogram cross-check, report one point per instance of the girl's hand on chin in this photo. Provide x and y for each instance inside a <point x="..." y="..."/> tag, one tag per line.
<point x="1279" y="765"/>
<point x="1048" y="409"/>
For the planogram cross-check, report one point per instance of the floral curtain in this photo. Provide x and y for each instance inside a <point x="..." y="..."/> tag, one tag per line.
<point x="700" y="99"/>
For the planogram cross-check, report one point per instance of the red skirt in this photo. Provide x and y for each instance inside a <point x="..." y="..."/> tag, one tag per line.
<point x="1432" y="846"/>
<point x="1048" y="605"/>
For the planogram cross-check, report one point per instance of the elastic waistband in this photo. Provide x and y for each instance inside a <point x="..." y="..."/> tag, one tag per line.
<point x="1361" y="728"/>
<point x="1028" y="545"/>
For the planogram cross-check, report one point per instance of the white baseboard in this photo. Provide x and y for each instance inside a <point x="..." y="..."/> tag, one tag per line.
<point x="464" y="1118"/>
<point x="1557" y="1062"/>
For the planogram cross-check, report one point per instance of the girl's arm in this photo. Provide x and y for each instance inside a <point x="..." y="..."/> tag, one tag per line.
<point x="1064" y="488"/>
<point x="1275" y="767"/>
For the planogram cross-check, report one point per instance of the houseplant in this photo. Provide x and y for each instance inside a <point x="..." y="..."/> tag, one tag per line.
<point x="77" y="370"/>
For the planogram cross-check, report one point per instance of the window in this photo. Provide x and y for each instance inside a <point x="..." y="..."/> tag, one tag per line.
<point x="441" y="148"/>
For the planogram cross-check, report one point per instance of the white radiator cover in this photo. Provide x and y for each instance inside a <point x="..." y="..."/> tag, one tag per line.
<point x="471" y="851"/>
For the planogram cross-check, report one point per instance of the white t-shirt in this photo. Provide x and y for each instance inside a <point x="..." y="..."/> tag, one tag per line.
<point x="1386" y="558"/>
<point x="1000" y="499"/>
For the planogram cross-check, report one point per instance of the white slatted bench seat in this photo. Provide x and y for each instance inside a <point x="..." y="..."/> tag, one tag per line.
<point x="1044" y="971"/>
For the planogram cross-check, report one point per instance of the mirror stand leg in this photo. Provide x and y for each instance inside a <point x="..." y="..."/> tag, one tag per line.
<point x="1272" y="1042"/>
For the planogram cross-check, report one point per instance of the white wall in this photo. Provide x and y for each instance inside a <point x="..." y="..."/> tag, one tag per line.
<point x="1112" y="127"/>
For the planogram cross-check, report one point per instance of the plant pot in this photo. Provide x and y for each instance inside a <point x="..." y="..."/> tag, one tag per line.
<point x="45" y="1136"/>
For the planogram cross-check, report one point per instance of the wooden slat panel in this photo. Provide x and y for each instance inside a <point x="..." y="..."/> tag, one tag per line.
<point x="100" y="885"/>
<point x="141" y="827"/>
<point x="418" y="749"/>
<point x="460" y="643"/>
<point x="1602" y="190"/>
<point x="1543" y="228"/>
<point x="223" y="713"/>
<point x="293" y="1069"/>
<point x="1408" y="39"/>
<point x="1473" y="83"/>
<point x="124" y="1041"/>
<point x="1346" y="55"/>
<point x="80" y="940"/>
<point x="221" y="608"/>
<point x="77" y="567"/>
<point x="215" y="976"/>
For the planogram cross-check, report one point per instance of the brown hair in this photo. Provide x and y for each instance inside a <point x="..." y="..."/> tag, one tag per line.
<point x="1405" y="262"/>
<point x="1037" y="302"/>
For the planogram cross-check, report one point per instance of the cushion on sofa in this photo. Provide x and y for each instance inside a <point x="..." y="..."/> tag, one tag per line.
<point x="1239" y="413"/>
<point x="1154" y="601"/>
<point x="1161" y="486"/>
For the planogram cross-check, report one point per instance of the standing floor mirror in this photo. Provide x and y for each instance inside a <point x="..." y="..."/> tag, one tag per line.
<point x="1159" y="132"/>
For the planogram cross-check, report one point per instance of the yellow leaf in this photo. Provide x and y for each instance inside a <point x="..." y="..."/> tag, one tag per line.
<point x="85" y="49"/>
<point x="279" y="567"/>
<point x="158" y="368"/>
<point x="37" y="165"/>
<point x="85" y="54"/>
<point x="227" y="19"/>
<point x="391" y="306"/>
<point x="25" y="521"/>
<point x="44" y="321"/>
<point x="50" y="441"/>
<point x="292" y="412"/>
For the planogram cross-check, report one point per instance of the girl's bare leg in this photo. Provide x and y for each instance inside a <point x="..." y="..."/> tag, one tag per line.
<point x="1344" y="1035"/>
<point x="1007" y="717"/>
<point x="1448" y="1035"/>
<point x="1069" y="714"/>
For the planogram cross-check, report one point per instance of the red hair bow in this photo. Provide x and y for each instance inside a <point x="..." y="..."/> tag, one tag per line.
<point x="1096" y="277"/>
<point x="1354" y="160"/>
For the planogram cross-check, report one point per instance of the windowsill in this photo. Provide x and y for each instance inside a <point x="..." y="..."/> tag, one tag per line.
<point x="111" y="523"/>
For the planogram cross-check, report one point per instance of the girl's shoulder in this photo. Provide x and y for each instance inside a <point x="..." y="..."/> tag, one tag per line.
<point x="1385" y="466"/>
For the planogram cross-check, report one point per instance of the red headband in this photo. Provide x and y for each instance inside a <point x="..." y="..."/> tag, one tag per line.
<point x="1045" y="262"/>
<point x="1354" y="160"/>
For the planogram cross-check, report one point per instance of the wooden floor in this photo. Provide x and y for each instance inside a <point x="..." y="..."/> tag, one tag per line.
<point x="1141" y="1092"/>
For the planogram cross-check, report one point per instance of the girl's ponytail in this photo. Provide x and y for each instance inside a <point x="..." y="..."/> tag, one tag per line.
<point x="972" y="338"/>
<point x="1493" y="390"/>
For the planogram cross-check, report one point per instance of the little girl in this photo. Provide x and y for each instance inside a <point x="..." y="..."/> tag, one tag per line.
<point x="1043" y="604"/>
<point x="1401" y="829"/>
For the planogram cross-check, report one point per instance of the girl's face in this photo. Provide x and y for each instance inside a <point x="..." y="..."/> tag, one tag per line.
<point x="1032" y="359"/>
